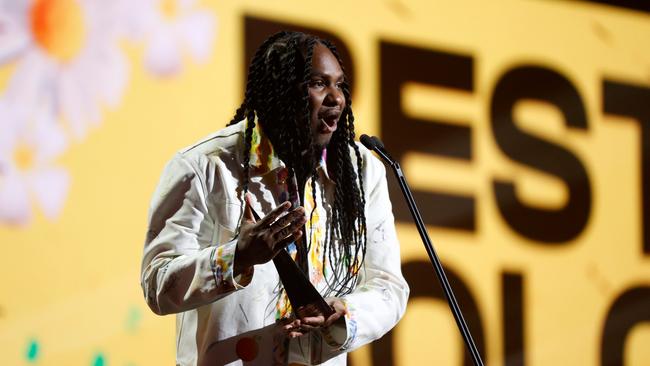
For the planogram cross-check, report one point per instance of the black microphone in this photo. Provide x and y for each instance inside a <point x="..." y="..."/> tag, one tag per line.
<point x="374" y="144"/>
<point x="378" y="142"/>
<point x="368" y="142"/>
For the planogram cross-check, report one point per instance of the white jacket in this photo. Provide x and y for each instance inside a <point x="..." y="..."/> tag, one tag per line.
<point x="187" y="266"/>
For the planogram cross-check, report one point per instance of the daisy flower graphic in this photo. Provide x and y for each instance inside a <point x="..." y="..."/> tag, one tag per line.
<point x="170" y="30"/>
<point x="71" y="59"/>
<point x="27" y="171"/>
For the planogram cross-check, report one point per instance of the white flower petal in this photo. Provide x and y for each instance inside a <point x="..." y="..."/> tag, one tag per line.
<point x="185" y="5"/>
<point x="93" y="91"/>
<point x="13" y="37"/>
<point x="33" y="77"/>
<point x="198" y="32"/>
<point x="50" y="188"/>
<point x="71" y="103"/>
<point x="163" y="55"/>
<point x="48" y="138"/>
<point x="14" y="200"/>
<point x="138" y="18"/>
<point x="113" y="77"/>
<point x="79" y="99"/>
<point x="9" y="128"/>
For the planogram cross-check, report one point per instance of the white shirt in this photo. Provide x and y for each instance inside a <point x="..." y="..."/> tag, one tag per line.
<point x="187" y="266"/>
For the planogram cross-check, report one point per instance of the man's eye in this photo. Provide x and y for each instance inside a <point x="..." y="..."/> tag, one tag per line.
<point x="317" y="83"/>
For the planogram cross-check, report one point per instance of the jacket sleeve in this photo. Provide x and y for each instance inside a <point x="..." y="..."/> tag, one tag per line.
<point x="179" y="271"/>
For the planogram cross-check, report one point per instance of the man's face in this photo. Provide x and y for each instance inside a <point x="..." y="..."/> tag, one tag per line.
<point x="326" y="98"/>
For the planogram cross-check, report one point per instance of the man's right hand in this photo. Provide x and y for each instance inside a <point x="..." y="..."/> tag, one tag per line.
<point x="259" y="241"/>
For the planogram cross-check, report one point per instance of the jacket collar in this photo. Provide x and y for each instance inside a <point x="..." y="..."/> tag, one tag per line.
<point x="263" y="158"/>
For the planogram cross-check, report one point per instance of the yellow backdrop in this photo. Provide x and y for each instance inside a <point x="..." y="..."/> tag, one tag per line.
<point x="523" y="126"/>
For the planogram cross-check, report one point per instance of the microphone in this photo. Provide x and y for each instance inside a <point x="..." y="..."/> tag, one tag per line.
<point x="374" y="144"/>
<point x="378" y="142"/>
<point x="368" y="142"/>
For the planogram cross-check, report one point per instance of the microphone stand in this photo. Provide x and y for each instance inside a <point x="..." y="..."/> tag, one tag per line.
<point x="374" y="144"/>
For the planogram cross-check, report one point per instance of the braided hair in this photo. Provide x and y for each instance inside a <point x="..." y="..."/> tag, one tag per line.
<point x="277" y="96"/>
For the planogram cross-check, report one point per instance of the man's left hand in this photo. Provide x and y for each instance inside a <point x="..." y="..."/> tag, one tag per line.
<point x="311" y="318"/>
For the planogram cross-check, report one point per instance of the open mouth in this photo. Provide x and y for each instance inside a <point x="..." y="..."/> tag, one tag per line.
<point x="329" y="120"/>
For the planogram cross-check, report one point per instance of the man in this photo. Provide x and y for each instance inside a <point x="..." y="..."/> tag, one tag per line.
<point x="289" y="155"/>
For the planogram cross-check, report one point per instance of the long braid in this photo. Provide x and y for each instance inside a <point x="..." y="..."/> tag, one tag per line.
<point x="247" y="146"/>
<point x="307" y="152"/>
<point x="354" y="198"/>
<point x="247" y="108"/>
<point x="360" y="204"/>
<point x="304" y="164"/>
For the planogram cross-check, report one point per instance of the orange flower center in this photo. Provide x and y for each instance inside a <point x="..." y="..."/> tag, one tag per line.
<point x="169" y="9"/>
<point x="58" y="27"/>
<point x="24" y="157"/>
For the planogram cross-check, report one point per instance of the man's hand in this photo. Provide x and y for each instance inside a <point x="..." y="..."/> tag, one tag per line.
<point x="260" y="241"/>
<point x="309" y="318"/>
